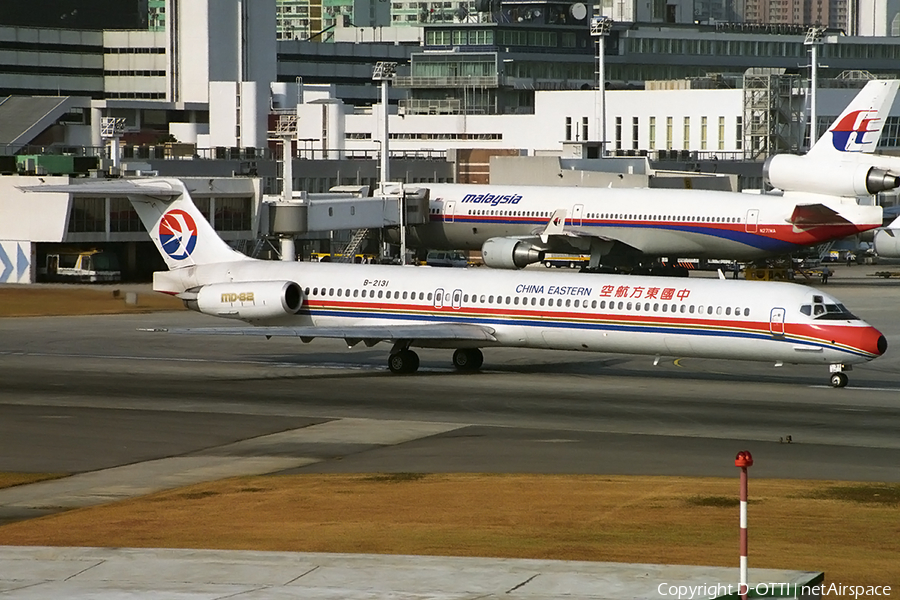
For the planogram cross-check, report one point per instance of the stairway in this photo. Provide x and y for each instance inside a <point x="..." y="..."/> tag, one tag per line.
<point x="353" y="245"/>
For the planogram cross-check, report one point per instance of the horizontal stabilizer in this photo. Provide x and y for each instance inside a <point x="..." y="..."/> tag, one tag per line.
<point x="814" y="215"/>
<point x="435" y="331"/>
<point x="118" y="187"/>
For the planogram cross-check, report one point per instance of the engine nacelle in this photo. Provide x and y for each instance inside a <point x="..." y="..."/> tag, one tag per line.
<point x="509" y="253"/>
<point x="848" y="177"/>
<point x="248" y="300"/>
<point x="887" y="243"/>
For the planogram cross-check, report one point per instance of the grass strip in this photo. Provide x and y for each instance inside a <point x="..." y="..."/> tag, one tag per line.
<point x="848" y="530"/>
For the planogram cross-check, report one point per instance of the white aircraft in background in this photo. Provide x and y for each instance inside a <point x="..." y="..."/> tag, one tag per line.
<point x="817" y="202"/>
<point x="842" y="162"/>
<point x="470" y="309"/>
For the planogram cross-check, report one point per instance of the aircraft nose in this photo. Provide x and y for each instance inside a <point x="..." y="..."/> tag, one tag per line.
<point x="881" y="344"/>
<point x="873" y="342"/>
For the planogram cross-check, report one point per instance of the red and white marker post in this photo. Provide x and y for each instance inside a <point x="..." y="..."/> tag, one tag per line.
<point x="743" y="460"/>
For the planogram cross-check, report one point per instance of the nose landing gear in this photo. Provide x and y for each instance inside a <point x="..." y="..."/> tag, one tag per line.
<point x="839" y="378"/>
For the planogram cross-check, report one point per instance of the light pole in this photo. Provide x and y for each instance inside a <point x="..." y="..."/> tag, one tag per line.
<point x="384" y="72"/>
<point x="813" y="40"/>
<point x="600" y="28"/>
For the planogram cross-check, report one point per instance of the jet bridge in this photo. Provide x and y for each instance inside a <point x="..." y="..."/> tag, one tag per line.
<point x="347" y="210"/>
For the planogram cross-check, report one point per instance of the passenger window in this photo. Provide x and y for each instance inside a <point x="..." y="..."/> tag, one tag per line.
<point x="533" y="301"/>
<point x="746" y="312"/>
<point x="482" y="298"/>
<point x="559" y="301"/>
<point x="542" y="301"/>
<point x="306" y="292"/>
<point x="665" y="308"/>
<point x="628" y="306"/>
<point x="692" y="308"/>
<point x="568" y="302"/>
<point x="656" y="307"/>
<point x="404" y="295"/>
<point x="339" y="292"/>
<point x="621" y="305"/>
<point x="465" y="297"/>
<point x="429" y="296"/>
<point x="576" y="304"/>
<point x="516" y="300"/>
<point x="709" y="310"/>
<point x="647" y="306"/>
<point x="355" y="293"/>
<point x="347" y="292"/>
<point x="727" y="311"/>
<point x="331" y="291"/>
<point x="490" y="299"/>
<point x="718" y="310"/>
<point x="315" y="292"/>
<point x="593" y="304"/>
<point x="396" y="295"/>
<point x="380" y="293"/>
<point x="507" y="299"/>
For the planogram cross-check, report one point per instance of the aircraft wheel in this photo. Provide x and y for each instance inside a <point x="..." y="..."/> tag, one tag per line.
<point x="839" y="380"/>
<point x="468" y="359"/>
<point x="405" y="361"/>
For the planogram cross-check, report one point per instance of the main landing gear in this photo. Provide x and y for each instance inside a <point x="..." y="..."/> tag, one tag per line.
<point x="839" y="378"/>
<point x="403" y="361"/>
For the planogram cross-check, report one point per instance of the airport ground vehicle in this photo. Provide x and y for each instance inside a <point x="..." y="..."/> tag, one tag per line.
<point x="81" y="266"/>
<point x="446" y="258"/>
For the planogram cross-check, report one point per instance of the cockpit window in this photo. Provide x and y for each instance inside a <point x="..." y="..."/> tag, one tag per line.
<point x="828" y="312"/>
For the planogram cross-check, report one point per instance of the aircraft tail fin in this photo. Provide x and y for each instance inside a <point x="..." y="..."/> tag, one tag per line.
<point x="179" y="230"/>
<point x="556" y="225"/>
<point x="859" y="127"/>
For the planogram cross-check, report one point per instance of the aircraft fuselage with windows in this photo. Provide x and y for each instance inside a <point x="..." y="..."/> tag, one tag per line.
<point x="637" y="222"/>
<point x="470" y="309"/>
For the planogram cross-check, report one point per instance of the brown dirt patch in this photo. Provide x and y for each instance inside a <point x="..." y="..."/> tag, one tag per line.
<point x="793" y="524"/>
<point x="14" y="479"/>
<point x="40" y="301"/>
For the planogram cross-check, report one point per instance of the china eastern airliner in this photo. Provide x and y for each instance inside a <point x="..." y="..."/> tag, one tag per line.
<point x="816" y="201"/>
<point x="468" y="310"/>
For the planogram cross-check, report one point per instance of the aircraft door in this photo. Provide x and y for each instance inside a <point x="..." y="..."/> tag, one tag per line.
<point x="752" y="220"/>
<point x="439" y="298"/>
<point x="776" y="322"/>
<point x="577" y="214"/>
<point x="457" y="299"/>
<point x="449" y="211"/>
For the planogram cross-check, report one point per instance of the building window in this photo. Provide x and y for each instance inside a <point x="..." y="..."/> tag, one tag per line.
<point x="703" y="133"/>
<point x="739" y="134"/>
<point x="584" y="128"/>
<point x="721" y="133"/>
<point x="652" y="129"/>
<point x="122" y="216"/>
<point x="233" y="214"/>
<point x="634" y="133"/>
<point x="618" y="133"/>
<point x="669" y="125"/>
<point x="687" y="134"/>
<point x="88" y="214"/>
<point x="568" y="129"/>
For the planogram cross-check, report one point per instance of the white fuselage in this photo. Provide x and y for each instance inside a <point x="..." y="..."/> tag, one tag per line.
<point x="655" y="222"/>
<point x="533" y="308"/>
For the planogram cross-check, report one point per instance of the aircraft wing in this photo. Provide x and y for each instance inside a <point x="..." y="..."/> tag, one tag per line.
<point x="353" y="334"/>
<point x="811" y="215"/>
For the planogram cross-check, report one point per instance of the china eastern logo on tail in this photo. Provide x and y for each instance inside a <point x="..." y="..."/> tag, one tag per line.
<point x="177" y="234"/>
<point x="849" y="135"/>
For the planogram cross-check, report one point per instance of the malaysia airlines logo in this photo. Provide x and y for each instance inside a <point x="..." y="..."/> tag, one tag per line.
<point x="849" y="135"/>
<point x="177" y="234"/>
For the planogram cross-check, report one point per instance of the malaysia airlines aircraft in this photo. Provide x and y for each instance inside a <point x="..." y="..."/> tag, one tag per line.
<point x="817" y="202"/>
<point x="470" y="309"/>
<point x="842" y="160"/>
